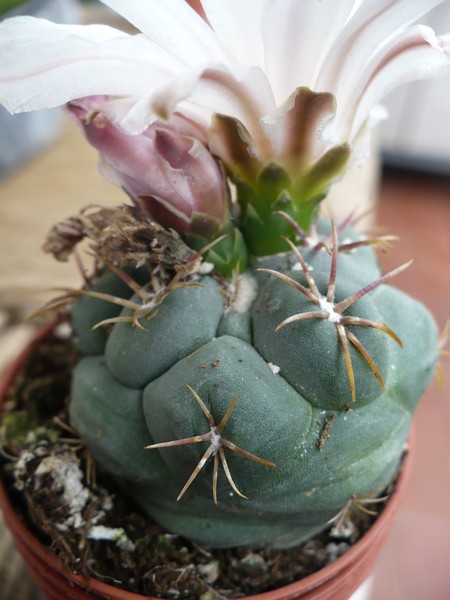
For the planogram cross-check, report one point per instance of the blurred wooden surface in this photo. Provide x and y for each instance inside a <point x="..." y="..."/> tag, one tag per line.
<point x="55" y="185"/>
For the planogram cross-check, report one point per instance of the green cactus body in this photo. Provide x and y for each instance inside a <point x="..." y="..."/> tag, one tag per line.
<point x="137" y="356"/>
<point x="284" y="396"/>
<point x="88" y="311"/>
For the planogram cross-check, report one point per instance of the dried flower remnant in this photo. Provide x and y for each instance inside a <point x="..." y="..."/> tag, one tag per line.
<point x="122" y="234"/>
<point x="126" y="236"/>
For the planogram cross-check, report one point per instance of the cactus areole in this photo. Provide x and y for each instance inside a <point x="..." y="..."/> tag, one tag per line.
<point x="247" y="369"/>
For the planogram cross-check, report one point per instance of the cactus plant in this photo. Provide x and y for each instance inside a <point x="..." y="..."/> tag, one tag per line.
<point x="249" y="411"/>
<point x="242" y="379"/>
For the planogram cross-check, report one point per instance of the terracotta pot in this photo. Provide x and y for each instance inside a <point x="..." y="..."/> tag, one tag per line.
<point x="336" y="581"/>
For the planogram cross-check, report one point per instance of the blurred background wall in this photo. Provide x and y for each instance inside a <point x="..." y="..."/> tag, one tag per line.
<point x="417" y="133"/>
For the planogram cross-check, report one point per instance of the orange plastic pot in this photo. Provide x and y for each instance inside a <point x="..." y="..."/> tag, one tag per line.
<point x="336" y="581"/>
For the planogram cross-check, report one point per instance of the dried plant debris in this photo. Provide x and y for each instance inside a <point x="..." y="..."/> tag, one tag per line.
<point x="95" y="530"/>
<point x="122" y="234"/>
<point x="123" y="239"/>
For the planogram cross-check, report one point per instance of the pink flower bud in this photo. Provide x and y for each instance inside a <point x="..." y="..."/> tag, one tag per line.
<point x="167" y="170"/>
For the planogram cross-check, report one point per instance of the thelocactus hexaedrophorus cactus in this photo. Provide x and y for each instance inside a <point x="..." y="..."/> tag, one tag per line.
<point x="247" y="369"/>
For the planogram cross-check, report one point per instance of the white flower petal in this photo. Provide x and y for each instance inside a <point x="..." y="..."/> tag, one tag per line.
<point x="242" y="93"/>
<point x="158" y="104"/>
<point x="244" y="62"/>
<point x="237" y="24"/>
<point x="372" y="26"/>
<point x="297" y="35"/>
<point x="75" y="61"/>
<point x="367" y="36"/>
<point x="296" y="129"/>
<point x="420" y="55"/>
<point x="174" y="26"/>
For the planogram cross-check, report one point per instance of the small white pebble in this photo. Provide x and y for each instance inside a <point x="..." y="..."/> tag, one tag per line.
<point x="210" y="572"/>
<point x="274" y="368"/>
<point x="111" y="534"/>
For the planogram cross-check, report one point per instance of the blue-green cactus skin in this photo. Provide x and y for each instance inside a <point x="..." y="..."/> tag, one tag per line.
<point x="289" y="384"/>
<point x="359" y="265"/>
<point x="188" y="316"/>
<point x="88" y="311"/>
<point x="237" y="324"/>
<point x="309" y="353"/>
<point x="116" y="427"/>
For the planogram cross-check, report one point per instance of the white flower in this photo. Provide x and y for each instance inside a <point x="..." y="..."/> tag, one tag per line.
<point x="246" y="62"/>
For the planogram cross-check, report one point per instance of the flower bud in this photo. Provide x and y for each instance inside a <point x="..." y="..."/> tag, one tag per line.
<point x="166" y="170"/>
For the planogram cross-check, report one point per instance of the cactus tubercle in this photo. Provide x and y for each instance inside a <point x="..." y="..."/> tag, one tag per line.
<point x="333" y="312"/>
<point x="217" y="443"/>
